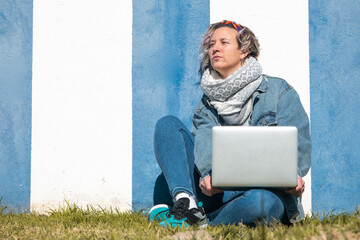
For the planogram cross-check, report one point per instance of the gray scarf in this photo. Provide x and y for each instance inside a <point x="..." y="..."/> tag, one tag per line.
<point x="231" y="96"/>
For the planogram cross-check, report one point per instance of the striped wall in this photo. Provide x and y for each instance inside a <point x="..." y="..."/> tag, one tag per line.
<point x="83" y="82"/>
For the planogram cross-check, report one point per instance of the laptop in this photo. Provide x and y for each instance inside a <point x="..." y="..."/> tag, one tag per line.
<point x="254" y="157"/>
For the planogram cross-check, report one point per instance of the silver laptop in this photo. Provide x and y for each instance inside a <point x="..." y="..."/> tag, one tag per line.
<point x="254" y="156"/>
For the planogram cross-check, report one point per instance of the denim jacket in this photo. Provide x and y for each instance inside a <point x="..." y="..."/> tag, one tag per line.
<point x="275" y="103"/>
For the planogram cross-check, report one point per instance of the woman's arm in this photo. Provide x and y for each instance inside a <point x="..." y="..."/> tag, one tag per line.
<point x="291" y="113"/>
<point x="204" y="119"/>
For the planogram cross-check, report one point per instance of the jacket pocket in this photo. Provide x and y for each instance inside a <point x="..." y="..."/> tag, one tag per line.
<point x="267" y="119"/>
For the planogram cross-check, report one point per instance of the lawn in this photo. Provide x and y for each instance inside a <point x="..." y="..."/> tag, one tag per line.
<point x="72" y="222"/>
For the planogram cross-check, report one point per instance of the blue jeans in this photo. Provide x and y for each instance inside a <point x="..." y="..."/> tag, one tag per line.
<point x="174" y="151"/>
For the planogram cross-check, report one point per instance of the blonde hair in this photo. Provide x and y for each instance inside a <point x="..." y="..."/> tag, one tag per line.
<point x="247" y="41"/>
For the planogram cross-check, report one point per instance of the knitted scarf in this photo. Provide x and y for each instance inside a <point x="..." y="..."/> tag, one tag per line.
<point x="231" y="96"/>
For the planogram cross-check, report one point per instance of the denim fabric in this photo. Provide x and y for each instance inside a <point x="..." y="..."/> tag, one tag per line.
<point x="174" y="147"/>
<point x="275" y="103"/>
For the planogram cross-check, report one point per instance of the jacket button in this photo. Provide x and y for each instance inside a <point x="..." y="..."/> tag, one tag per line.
<point x="263" y="121"/>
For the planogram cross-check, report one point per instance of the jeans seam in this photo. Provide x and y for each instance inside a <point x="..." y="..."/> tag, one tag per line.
<point x="182" y="137"/>
<point x="183" y="141"/>
<point x="180" y="129"/>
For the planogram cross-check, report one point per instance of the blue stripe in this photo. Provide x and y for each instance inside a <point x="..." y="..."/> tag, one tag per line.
<point x="15" y="103"/>
<point x="166" y="40"/>
<point x="335" y="108"/>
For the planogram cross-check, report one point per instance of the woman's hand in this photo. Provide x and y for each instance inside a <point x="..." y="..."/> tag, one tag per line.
<point x="207" y="189"/>
<point x="298" y="190"/>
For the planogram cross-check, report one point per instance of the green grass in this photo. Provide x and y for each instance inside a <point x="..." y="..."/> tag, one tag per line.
<point x="72" y="222"/>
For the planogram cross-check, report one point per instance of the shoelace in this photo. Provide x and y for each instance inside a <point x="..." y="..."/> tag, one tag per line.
<point x="178" y="211"/>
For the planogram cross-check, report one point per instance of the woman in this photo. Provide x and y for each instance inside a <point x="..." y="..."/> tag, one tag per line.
<point x="235" y="93"/>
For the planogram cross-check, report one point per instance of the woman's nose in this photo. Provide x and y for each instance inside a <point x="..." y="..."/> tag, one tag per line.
<point x="215" y="48"/>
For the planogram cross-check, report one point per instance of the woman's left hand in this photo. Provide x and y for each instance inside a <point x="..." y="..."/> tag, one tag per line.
<point x="298" y="190"/>
<point x="207" y="188"/>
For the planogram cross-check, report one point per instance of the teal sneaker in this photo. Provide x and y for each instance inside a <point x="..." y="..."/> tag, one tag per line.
<point x="158" y="212"/>
<point x="182" y="216"/>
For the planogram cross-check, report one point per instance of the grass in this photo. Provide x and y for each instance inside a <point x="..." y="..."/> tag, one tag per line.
<point x="72" y="222"/>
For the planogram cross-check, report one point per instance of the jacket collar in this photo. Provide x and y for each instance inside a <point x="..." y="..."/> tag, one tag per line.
<point x="264" y="86"/>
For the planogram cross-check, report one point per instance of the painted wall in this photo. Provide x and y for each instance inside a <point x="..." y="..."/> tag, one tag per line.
<point x="335" y="107"/>
<point x="15" y="103"/>
<point x="104" y="72"/>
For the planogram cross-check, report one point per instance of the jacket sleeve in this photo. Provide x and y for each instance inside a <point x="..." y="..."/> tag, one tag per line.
<point x="203" y="121"/>
<point x="291" y="113"/>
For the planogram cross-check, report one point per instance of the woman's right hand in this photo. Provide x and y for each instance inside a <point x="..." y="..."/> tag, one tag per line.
<point x="207" y="188"/>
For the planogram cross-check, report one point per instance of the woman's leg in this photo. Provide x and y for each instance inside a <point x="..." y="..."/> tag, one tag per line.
<point x="174" y="151"/>
<point x="249" y="207"/>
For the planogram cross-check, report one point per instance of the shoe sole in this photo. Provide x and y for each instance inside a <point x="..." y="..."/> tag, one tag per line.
<point x="162" y="208"/>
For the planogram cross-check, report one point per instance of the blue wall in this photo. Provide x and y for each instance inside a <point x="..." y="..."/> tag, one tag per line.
<point x="166" y="40"/>
<point x="15" y="102"/>
<point x="335" y="107"/>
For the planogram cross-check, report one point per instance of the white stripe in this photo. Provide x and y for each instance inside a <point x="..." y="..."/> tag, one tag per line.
<point x="282" y="27"/>
<point x="81" y="122"/>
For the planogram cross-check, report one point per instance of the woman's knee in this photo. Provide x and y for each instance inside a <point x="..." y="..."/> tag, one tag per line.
<point x="165" y="126"/>
<point x="169" y="125"/>
<point x="167" y="121"/>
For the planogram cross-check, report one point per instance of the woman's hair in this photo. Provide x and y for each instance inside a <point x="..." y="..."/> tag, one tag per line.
<point x="246" y="40"/>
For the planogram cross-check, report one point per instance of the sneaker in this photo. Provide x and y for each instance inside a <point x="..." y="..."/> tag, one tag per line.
<point x="158" y="212"/>
<point x="182" y="216"/>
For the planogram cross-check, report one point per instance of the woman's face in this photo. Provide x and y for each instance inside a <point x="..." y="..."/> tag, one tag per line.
<point x="225" y="55"/>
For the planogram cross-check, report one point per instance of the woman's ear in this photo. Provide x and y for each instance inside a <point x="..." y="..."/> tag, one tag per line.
<point x="243" y="56"/>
